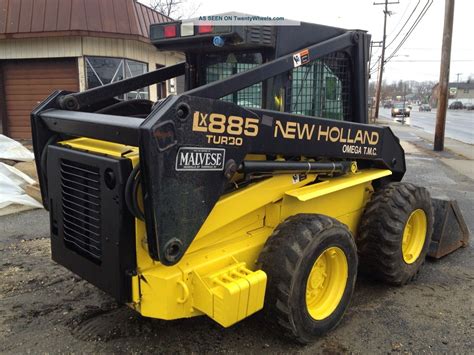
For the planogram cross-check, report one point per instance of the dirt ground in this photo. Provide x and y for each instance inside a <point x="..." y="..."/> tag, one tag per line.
<point x="45" y="308"/>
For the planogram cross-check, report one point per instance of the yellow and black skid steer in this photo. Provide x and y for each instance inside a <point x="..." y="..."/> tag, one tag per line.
<point x="261" y="186"/>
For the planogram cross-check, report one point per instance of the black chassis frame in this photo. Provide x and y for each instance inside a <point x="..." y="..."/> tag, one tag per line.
<point x="178" y="202"/>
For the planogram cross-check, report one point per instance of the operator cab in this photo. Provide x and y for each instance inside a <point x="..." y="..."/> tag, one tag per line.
<point x="328" y="87"/>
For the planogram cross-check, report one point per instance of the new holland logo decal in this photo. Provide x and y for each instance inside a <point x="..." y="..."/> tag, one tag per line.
<point x="203" y="159"/>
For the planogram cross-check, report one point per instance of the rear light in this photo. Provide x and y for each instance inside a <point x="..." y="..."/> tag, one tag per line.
<point x="187" y="29"/>
<point x="170" y="31"/>
<point x="205" y="29"/>
<point x="158" y="32"/>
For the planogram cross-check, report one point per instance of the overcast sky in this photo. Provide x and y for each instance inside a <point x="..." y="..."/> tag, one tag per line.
<point x="418" y="59"/>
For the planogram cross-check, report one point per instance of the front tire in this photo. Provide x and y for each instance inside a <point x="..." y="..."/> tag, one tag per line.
<point x="395" y="233"/>
<point x="311" y="264"/>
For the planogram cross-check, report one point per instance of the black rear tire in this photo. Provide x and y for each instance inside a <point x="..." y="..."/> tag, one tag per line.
<point x="381" y="233"/>
<point x="289" y="257"/>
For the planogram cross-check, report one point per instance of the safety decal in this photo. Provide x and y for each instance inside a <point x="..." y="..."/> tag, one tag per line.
<point x="296" y="178"/>
<point x="300" y="58"/>
<point x="203" y="159"/>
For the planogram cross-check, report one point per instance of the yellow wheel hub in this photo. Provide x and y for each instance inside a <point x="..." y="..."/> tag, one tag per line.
<point x="414" y="236"/>
<point x="326" y="283"/>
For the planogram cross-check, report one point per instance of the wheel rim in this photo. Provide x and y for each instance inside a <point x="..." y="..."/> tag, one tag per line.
<point x="414" y="236"/>
<point x="326" y="283"/>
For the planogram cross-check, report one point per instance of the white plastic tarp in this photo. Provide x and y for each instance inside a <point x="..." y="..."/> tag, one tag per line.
<point x="11" y="191"/>
<point x="13" y="150"/>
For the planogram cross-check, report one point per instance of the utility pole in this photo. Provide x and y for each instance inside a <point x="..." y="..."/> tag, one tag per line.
<point x="458" y="75"/>
<point x="444" y="76"/>
<point x="373" y="44"/>
<point x="382" y="56"/>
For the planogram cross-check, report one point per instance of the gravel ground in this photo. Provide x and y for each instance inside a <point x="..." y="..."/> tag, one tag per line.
<point x="45" y="308"/>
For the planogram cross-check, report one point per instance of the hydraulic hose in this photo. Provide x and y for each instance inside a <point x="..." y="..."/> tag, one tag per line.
<point x="131" y="193"/>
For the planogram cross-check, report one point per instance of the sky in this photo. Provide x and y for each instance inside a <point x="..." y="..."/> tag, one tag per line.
<point x="419" y="57"/>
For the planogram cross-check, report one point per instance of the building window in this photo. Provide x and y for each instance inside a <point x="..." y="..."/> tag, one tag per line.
<point x="104" y="70"/>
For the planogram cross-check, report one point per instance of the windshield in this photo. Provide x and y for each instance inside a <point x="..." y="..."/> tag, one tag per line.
<point x="399" y="106"/>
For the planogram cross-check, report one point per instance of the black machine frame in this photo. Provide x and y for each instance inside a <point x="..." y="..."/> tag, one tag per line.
<point x="182" y="121"/>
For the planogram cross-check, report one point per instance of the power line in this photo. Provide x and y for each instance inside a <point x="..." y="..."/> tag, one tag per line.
<point x="376" y="63"/>
<point x="401" y="29"/>
<point x="374" y="44"/>
<point x="382" y="56"/>
<point x="399" y="21"/>
<point x="412" y="28"/>
<point x="429" y="60"/>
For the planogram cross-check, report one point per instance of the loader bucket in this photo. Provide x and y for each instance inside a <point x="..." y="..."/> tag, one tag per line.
<point x="450" y="231"/>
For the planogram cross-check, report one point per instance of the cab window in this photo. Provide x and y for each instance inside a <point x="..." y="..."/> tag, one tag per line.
<point x="221" y="66"/>
<point x="321" y="88"/>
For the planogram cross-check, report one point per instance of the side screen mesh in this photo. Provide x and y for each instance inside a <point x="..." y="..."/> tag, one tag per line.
<point x="322" y="88"/>
<point x="220" y="67"/>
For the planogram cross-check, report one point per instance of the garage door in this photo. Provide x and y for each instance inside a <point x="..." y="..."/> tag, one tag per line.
<point x="28" y="82"/>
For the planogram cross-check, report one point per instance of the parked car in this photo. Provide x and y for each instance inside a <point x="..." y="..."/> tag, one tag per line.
<point x="424" y="107"/>
<point x="469" y="107"/>
<point x="400" y="110"/>
<point x="456" y="105"/>
<point x="387" y="105"/>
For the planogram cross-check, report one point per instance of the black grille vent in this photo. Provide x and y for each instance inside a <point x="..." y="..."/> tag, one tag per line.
<point x="80" y="185"/>
<point x="261" y="35"/>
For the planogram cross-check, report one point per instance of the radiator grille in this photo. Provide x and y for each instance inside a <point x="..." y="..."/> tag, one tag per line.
<point x="80" y="185"/>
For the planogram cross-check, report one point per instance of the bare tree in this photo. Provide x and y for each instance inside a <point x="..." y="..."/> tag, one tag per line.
<point x="176" y="9"/>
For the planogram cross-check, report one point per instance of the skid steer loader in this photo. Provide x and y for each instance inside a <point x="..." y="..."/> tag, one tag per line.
<point x="261" y="186"/>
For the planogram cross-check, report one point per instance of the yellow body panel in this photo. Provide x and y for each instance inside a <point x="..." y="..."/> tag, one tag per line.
<point x="218" y="275"/>
<point x="101" y="147"/>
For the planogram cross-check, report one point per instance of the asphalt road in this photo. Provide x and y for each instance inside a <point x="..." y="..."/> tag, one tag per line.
<point x="459" y="123"/>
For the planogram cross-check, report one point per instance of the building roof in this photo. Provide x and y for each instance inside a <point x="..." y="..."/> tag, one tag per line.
<point x="462" y="86"/>
<point x="104" y="18"/>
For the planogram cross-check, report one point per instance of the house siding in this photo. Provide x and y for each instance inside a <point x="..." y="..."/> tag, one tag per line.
<point x="77" y="46"/>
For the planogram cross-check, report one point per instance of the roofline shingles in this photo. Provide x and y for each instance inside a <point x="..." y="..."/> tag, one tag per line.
<point x="64" y="15"/>
<point x="117" y="17"/>
<point x="107" y="14"/>
<point x="13" y="16"/>
<point x="132" y="18"/>
<point x="3" y="15"/>
<point x="141" y="20"/>
<point x="121" y="17"/>
<point x="26" y="14"/>
<point x="37" y="20"/>
<point x="151" y="19"/>
<point x="146" y="19"/>
<point x="51" y="15"/>
<point x="93" y="19"/>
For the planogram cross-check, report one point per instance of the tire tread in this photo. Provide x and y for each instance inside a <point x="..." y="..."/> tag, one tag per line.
<point x="382" y="226"/>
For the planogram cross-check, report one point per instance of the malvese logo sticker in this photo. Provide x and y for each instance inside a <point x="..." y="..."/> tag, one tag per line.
<point x="204" y="159"/>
